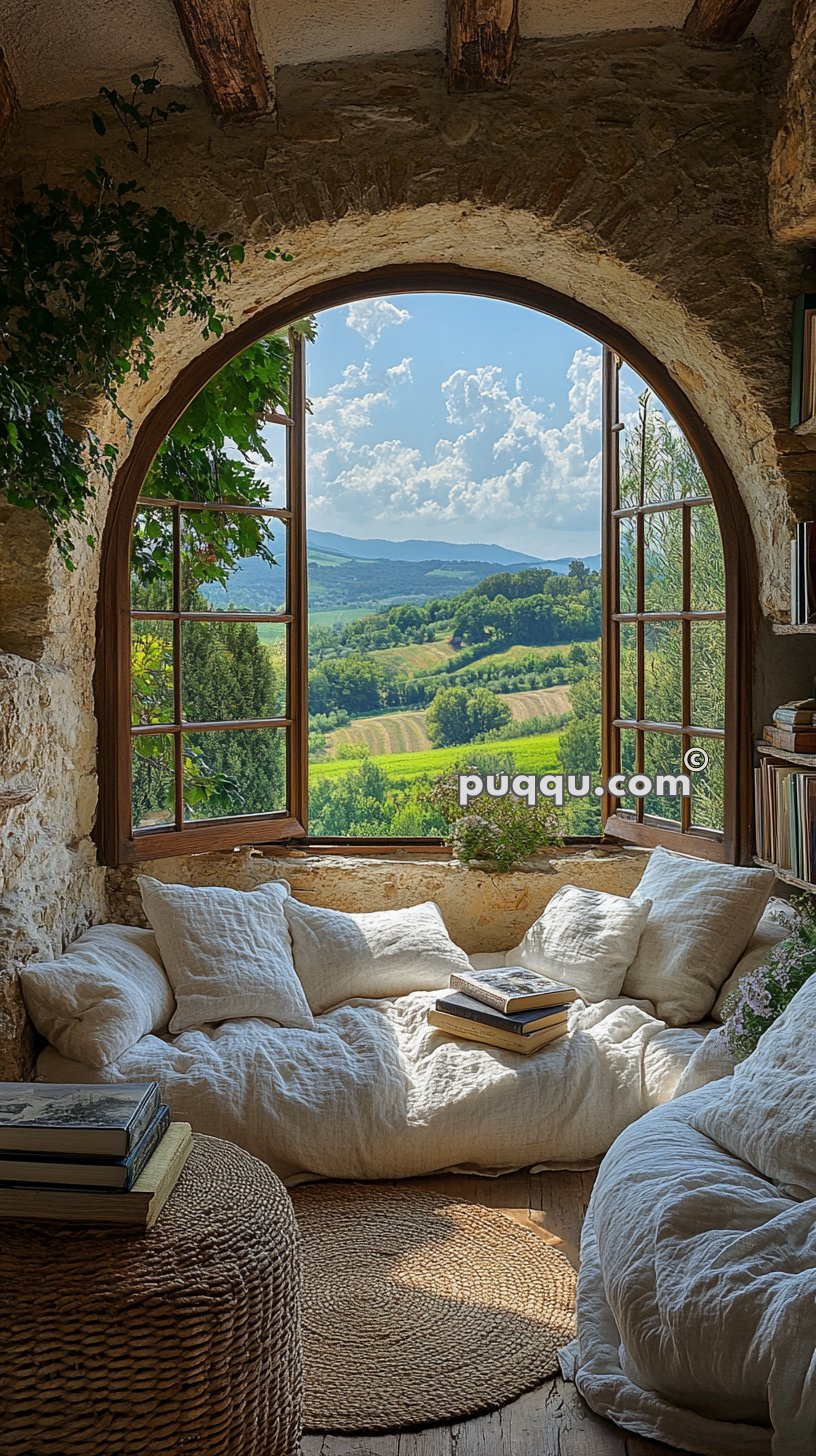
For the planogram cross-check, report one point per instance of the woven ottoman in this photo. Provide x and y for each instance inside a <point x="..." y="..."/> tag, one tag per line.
<point x="184" y="1339"/>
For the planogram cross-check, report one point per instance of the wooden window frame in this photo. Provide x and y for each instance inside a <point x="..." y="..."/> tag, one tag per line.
<point x="116" y="842"/>
<point x="130" y="844"/>
<point x="635" y="826"/>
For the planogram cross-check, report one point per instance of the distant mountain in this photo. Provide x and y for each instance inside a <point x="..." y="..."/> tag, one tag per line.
<point x="378" y="549"/>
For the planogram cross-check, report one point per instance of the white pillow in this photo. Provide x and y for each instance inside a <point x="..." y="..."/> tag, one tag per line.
<point x="767" y="935"/>
<point x="227" y="953"/>
<point x="702" y="917"/>
<point x="587" y="938"/>
<point x="767" y="1115"/>
<point x="382" y="953"/>
<point x="102" y="995"/>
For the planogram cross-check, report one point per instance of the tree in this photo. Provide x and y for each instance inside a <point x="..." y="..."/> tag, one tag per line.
<point x="458" y="715"/>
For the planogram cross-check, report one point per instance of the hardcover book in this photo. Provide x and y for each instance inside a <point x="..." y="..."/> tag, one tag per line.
<point x="138" y="1208"/>
<point x="792" y="740"/>
<point x="513" y="988"/>
<point x="490" y="1036"/>
<point x="70" y="1172"/>
<point x="74" y="1118"/>
<point x="521" y="1023"/>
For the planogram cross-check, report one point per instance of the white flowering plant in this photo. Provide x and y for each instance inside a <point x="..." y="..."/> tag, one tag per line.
<point x="762" y="996"/>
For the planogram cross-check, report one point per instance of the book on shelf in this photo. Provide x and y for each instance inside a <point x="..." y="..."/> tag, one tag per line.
<point x="803" y="574"/>
<point x="513" y="988"/>
<point x="785" y="798"/>
<point x="461" y="1026"/>
<point x="520" y="1023"/>
<point x="102" y="1120"/>
<point x="801" y="714"/>
<point x="61" y="1170"/>
<point x="791" y="740"/>
<point x="138" y="1208"/>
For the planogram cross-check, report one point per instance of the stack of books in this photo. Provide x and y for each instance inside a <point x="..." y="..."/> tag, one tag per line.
<point x="786" y="818"/>
<point x="511" y="1007"/>
<point x="794" y="727"/>
<point x="803" y="574"/>
<point x="71" y="1153"/>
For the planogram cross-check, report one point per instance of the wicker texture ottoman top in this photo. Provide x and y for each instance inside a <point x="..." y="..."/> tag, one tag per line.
<point x="184" y="1339"/>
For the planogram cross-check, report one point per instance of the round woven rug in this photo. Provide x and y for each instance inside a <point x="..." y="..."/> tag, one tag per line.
<point x="418" y="1309"/>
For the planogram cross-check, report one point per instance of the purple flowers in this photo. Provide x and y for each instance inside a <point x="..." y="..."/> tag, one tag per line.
<point x="762" y="995"/>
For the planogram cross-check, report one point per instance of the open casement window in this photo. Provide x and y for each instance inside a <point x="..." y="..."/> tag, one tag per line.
<point x="665" y="679"/>
<point x="214" y="753"/>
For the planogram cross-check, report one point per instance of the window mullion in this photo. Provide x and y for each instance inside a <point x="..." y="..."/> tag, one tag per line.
<point x="685" y="657"/>
<point x="178" y="699"/>
<point x="297" y="675"/>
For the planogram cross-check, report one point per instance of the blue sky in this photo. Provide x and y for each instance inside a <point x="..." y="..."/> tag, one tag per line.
<point x="457" y="418"/>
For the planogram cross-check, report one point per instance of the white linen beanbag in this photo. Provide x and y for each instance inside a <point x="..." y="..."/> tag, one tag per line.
<point x="380" y="953"/>
<point x="106" y="991"/>
<point x="227" y="953"/>
<point x="585" y="937"/>
<point x="702" y="917"/>
<point x="767" y="1117"/>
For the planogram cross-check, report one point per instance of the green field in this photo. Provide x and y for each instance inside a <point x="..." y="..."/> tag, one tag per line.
<point x="538" y="754"/>
<point x="405" y="732"/>
<point x="416" y="657"/>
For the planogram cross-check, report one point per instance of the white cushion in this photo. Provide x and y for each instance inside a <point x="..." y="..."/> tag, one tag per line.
<point x="767" y="1117"/>
<point x="101" y="996"/>
<point x="227" y="953"/>
<point x="381" y="953"/>
<point x="587" y="938"/>
<point x="767" y="935"/>
<point x="703" y="915"/>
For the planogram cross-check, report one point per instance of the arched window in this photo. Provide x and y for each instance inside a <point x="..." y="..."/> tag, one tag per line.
<point x="211" y="592"/>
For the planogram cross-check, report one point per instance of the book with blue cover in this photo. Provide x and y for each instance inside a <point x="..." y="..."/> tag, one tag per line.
<point x="117" y="1174"/>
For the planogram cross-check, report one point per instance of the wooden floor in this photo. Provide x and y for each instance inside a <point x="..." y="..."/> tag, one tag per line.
<point x="549" y="1421"/>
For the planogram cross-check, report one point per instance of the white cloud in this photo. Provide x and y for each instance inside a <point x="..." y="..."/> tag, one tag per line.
<point x="370" y="317"/>
<point x="503" y="471"/>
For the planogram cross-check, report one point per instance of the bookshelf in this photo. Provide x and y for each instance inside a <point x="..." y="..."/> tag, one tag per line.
<point x="806" y="761"/>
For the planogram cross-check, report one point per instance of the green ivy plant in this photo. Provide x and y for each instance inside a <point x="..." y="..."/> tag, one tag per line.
<point x="87" y="282"/>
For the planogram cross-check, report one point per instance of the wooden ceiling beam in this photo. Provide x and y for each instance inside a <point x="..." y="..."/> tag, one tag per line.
<point x="221" y="41"/>
<point x="9" y="105"/>
<point x="720" y="21"/>
<point x="482" y="37"/>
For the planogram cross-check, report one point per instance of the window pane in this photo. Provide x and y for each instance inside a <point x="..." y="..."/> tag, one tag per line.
<point x="662" y="672"/>
<point x="707" y="785"/>
<point x="627" y="558"/>
<point x="657" y="462"/>
<point x="222" y="474"/>
<point x="628" y="670"/>
<point x="707" y="566"/>
<point x="230" y="672"/>
<point x="151" y="672"/>
<point x="663" y="561"/>
<point x="662" y="756"/>
<point x="708" y="674"/>
<point x="233" y="562"/>
<point x="242" y="771"/>
<point x="153" y="794"/>
<point x="151" y="554"/>
<point x="627" y="738"/>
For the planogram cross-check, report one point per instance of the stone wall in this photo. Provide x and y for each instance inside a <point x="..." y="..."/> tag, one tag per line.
<point x="629" y="171"/>
<point x="483" y="912"/>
